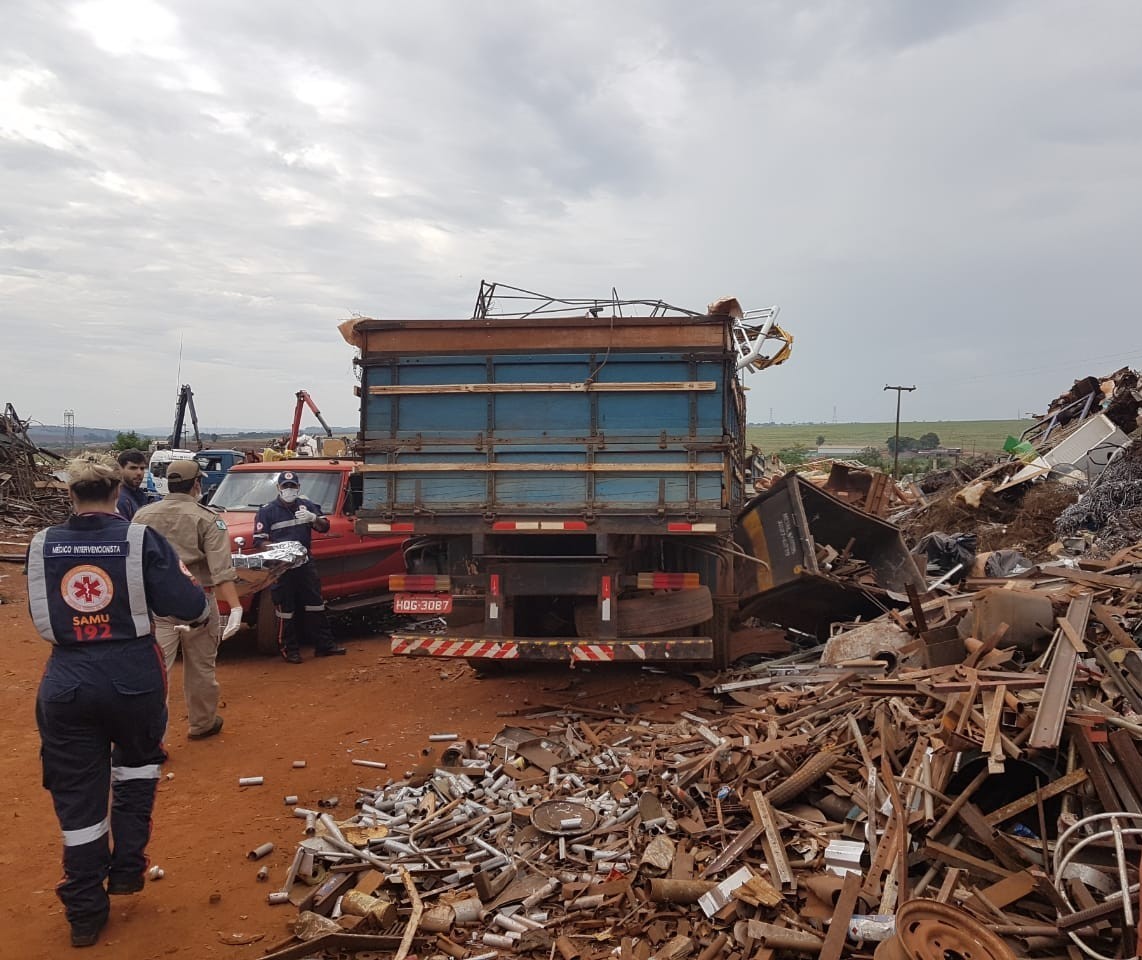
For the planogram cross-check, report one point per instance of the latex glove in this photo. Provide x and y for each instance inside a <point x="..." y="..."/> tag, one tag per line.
<point x="233" y="622"/>
<point x="305" y="515"/>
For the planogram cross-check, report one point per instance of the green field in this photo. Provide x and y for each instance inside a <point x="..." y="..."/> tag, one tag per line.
<point x="973" y="436"/>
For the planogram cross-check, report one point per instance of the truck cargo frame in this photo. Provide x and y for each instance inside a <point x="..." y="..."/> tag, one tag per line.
<point x="568" y="474"/>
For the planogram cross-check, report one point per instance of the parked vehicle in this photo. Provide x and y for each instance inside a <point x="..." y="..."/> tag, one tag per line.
<point x="570" y="472"/>
<point x="215" y="464"/>
<point x="354" y="569"/>
<point x="156" y="478"/>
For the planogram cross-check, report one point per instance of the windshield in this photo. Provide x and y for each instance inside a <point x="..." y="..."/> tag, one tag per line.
<point x="248" y="491"/>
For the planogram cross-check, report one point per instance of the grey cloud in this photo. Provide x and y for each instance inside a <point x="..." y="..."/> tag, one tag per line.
<point x="925" y="187"/>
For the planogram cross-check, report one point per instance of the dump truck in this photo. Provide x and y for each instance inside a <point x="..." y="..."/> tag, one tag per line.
<point x="567" y="473"/>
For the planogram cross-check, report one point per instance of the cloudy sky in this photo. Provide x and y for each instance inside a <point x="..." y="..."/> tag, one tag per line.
<point x="943" y="193"/>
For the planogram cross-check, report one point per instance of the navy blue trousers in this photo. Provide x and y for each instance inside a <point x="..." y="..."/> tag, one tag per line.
<point x="101" y="712"/>
<point x="300" y="609"/>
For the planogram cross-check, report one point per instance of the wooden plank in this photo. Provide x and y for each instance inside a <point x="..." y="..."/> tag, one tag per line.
<point x="1028" y="800"/>
<point x="539" y="467"/>
<point x="582" y="386"/>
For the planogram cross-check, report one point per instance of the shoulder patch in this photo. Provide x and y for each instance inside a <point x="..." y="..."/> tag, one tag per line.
<point x="220" y="524"/>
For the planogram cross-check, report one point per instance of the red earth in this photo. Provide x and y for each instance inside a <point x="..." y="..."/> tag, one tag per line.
<point x="367" y="705"/>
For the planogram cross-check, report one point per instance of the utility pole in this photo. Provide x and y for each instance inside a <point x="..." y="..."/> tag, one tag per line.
<point x="896" y="445"/>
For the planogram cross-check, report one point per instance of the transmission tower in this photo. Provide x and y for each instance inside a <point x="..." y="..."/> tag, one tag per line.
<point x="69" y="428"/>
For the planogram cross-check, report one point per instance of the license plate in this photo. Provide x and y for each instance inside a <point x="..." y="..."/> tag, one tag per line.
<point x="422" y="603"/>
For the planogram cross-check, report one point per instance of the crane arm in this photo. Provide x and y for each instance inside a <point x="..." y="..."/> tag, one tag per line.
<point x="193" y="418"/>
<point x="305" y="400"/>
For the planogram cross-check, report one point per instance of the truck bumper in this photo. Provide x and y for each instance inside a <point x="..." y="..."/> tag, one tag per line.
<point x="573" y="650"/>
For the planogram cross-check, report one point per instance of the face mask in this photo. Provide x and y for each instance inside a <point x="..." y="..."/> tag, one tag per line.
<point x="288" y="494"/>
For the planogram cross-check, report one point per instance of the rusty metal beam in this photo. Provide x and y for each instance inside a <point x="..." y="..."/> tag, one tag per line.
<point x="1048" y="725"/>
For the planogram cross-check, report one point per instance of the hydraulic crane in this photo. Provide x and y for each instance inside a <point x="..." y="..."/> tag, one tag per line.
<point x="184" y="403"/>
<point x="305" y="400"/>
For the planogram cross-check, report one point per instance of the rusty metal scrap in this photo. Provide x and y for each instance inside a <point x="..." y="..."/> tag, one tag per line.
<point x="30" y="496"/>
<point x="717" y="826"/>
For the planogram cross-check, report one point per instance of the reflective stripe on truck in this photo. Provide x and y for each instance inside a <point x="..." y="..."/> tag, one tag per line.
<point x="577" y="650"/>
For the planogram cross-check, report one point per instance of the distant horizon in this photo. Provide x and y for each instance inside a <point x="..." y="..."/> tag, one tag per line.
<point x="162" y="432"/>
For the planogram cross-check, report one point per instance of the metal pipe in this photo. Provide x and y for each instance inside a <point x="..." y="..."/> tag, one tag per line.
<point x="331" y="826"/>
<point x="262" y="850"/>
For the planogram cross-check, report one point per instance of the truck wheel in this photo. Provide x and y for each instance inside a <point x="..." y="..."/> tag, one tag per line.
<point x="663" y="613"/>
<point x="267" y="626"/>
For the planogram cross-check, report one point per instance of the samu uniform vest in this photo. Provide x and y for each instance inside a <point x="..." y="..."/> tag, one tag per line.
<point x="88" y="585"/>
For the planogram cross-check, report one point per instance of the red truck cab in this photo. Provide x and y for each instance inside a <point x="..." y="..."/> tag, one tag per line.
<point x="354" y="570"/>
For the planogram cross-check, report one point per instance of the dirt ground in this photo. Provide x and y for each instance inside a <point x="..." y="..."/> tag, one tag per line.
<point x="367" y="705"/>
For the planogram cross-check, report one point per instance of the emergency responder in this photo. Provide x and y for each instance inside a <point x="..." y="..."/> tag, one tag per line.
<point x="93" y="584"/>
<point x="199" y="537"/>
<point x="132" y="493"/>
<point x="297" y="594"/>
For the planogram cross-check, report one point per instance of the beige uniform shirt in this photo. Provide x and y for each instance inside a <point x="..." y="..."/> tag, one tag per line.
<point x="197" y="534"/>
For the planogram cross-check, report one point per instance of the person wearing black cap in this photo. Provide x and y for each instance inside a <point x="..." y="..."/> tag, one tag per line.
<point x="199" y="537"/>
<point x="297" y="593"/>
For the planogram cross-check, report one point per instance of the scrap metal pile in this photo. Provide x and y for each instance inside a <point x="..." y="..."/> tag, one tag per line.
<point x="1075" y="473"/>
<point x="955" y="773"/>
<point x="983" y="790"/>
<point x="29" y="494"/>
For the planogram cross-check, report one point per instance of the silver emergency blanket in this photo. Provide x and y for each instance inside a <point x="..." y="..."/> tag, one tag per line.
<point x="284" y="555"/>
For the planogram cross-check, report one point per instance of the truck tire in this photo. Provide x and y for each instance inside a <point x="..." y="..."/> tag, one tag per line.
<point x="266" y="627"/>
<point x="663" y="613"/>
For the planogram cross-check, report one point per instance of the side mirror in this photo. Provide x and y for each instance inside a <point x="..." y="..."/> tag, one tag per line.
<point x="239" y="542"/>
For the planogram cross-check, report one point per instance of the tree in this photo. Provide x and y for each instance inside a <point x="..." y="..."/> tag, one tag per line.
<point x="928" y="441"/>
<point x="794" y="456"/>
<point x="128" y="441"/>
<point x="870" y="457"/>
<point x="820" y="440"/>
<point x="906" y="443"/>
